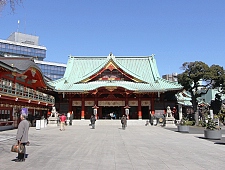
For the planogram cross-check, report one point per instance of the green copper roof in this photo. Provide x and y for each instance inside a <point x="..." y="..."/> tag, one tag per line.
<point x="184" y="98"/>
<point x="142" y="68"/>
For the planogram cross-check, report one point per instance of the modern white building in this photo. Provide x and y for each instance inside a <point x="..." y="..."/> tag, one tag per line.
<point x="22" y="45"/>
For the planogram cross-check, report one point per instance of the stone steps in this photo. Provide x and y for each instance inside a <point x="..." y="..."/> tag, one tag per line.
<point x="110" y="122"/>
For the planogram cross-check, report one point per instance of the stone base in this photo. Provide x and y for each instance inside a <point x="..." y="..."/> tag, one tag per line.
<point x="170" y="121"/>
<point x="52" y="120"/>
<point x="8" y="127"/>
<point x="53" y="125"/>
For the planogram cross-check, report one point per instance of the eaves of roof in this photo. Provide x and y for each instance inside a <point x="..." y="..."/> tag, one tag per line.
<point x="142" y="68"/>
<point x="138" y="87"/>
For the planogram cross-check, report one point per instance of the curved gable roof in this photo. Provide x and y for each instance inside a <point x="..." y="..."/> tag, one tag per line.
<point x="144" y="69"/>
<point x="21" y="65"/>
<point x="80" y="68"/>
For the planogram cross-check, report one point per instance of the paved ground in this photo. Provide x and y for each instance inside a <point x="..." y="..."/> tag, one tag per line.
<point x="108" y="147"/>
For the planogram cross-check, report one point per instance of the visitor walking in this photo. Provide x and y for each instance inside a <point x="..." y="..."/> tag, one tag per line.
<point x="124" y="122"/>
<point x="22" y="136"/>
<point x="92" y="120"/>
<point x="62" y="122"/>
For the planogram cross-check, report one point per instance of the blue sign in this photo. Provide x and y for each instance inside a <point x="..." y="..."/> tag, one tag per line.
<point x="24" y="111"/>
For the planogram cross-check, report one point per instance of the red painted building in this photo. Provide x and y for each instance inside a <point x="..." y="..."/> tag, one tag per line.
<point x="22" y="85"/>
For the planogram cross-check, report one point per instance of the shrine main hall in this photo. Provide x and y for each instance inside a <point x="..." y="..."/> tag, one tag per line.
<point x="113" y="84"/>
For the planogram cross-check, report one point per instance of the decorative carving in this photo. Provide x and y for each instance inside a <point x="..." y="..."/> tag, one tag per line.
<point x="13" y="73"/>
<point x="34" y="81"/>
<point x="111" y="103"/>
<point x="133" y="103"/>
<point x="24" y="77"/>
<point x="33" y="71"/>
<point x="145" y="103"/>
<point x="111" y="88"/>
<point x="89" y="103"/>
<point x="110" y="66"/>
<point x="76" y="103"/>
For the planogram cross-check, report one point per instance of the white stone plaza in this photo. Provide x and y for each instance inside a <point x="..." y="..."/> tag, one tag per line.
<point x="108" y="147"/>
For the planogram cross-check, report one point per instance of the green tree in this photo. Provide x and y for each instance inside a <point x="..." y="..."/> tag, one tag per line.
<point x="198" y="78"/>
<point x="12" y="4"/>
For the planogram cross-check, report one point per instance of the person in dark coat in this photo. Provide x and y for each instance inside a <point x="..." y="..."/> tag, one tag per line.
<point x="22" y="136"/>
<point x="124" y="122"/>
<point x="92" y="120"/>
<point x="150" y="118"/>
<point x="71" y="118"/>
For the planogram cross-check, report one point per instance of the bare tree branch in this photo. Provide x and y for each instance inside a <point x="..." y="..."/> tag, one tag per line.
<point x="12" y="4"/>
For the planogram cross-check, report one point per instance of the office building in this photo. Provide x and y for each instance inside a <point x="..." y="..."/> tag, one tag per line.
<point x="51" y="70"/>
<point x="25" y="45"/>
<point x="22" y="45"/>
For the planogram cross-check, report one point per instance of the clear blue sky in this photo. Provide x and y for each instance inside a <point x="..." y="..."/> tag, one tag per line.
<point x="176" y="31"/>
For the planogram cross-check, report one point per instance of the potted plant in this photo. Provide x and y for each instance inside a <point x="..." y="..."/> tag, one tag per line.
<point x="212" y="131"/>
<point x="183" y="126"/>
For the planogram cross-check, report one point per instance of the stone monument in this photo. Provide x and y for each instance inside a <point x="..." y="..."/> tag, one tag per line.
<point x="170" y="120"/>
<point x="53" y="118"/>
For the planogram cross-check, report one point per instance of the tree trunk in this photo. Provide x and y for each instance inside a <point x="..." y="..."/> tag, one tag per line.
<point x="195" y="108"/>
<point x="196" y="118"/>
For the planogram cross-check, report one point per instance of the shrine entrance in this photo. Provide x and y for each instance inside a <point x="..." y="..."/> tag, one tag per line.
<point x="116" y="110"/>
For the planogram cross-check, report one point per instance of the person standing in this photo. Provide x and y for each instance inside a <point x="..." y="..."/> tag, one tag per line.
<point x="22" y="136"/>
<point x="124" y="122"/>
<point x="62" y="122"/>
<point x="71" y="117"/>
<point x="68" y="118"/>
<point x="92" y="120"/>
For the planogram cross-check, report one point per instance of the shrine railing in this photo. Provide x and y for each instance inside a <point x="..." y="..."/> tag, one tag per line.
<point x="18" y="90"/>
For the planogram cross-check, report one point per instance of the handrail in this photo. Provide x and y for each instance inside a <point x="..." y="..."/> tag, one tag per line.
<point x="18" y="90"/>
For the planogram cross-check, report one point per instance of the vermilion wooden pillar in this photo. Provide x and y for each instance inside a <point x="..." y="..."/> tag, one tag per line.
<point x="153" y="104"/>
<point x="82" y="107"/>
<point x="139" y="108"/>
